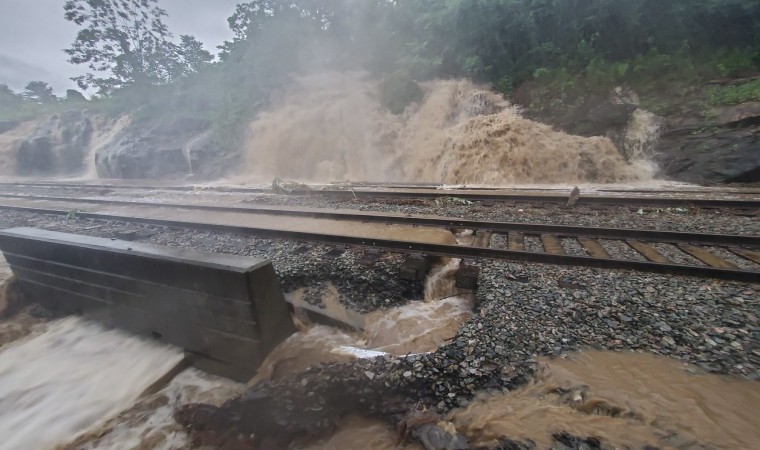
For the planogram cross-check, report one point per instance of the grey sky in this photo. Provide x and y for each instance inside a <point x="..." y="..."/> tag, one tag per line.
<point x="33" y="34"/>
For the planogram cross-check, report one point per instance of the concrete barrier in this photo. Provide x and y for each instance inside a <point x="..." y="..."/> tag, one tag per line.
<point x="226" y="311"/>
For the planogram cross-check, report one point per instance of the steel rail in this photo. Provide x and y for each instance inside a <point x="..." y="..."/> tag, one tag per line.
<point x="442" y="222"/>
<point x="496" y="196"/>
<point x="696" y="190"/>
<point x="426" y="248"/>
<point x="411" y="192"/>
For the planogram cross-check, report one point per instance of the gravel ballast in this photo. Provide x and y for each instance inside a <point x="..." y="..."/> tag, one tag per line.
<point x="525" y="310"/>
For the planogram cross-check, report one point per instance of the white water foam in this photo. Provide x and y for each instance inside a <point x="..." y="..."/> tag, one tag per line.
<point x="71" y="378"/>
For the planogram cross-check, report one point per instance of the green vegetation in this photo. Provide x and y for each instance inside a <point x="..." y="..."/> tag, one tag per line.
<point x="550" y="55"/>
<point x="735" y="94"/>
<point x="125" y="43"/>
<point x="37" y="100"/>
<point x="666" y="83"/>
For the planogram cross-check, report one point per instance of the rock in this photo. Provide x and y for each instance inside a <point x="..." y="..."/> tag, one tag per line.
<point x="7" y="125"/>
<point x="609" y="115"/>
<point x="567" y="441"/>
<point x="441" y="436"/>
<point x="598" y="117"/>
<point x="574" y="196"/>
<point x="176" y="149"/>
<point x="58" y="146"/>
<point x="721" y="151"/>
<point x="567" y="283"/>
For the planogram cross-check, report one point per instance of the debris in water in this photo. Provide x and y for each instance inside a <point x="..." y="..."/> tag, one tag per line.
<point x="288" y="187"/>
<point x="574" y="196"/>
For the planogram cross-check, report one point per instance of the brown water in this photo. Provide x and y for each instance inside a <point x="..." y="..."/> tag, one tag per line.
<point x="22" y="324"/>
<point x="417" y="327"/>
<point x="624" y="399"/>
<point x="68" y="378"/>
<point x="360" y="433"/>
<point x="331" y="127"/>
<point x="422" y="326"/>
<point x="629" y="399"/>
<point x="5" y="275"/>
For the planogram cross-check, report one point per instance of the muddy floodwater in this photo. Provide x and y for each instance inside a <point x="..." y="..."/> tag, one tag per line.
<point x="627" y="400"/>
<point x="74" y="385"/>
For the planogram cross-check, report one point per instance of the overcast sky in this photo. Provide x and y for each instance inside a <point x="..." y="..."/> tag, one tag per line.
<point x="33" y="34"/>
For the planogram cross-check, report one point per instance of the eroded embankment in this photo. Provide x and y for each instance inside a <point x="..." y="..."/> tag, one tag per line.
<point x="523" y="313"/>
<point x="607" y="399"/>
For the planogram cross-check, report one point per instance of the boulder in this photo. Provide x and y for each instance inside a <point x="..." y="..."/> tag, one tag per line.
<point x="143" y="151"/>
<point x="724" y="150"/>
<point x="58" y="146"/>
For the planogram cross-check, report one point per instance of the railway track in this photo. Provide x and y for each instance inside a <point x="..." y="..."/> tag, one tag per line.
<point x="734" y="199"/>
<point x="732" y="257"/>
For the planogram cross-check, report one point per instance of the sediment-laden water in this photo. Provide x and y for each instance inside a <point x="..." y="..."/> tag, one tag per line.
<point x="459" y="133"/>
<point x="69" y="378"/>
<point x="74" y="385"/>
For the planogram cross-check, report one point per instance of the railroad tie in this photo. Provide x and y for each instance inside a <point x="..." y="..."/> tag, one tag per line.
<point x="706" y="257"/>
<point x="747" y="254"/>
<point x="482" y="239"/>
<point x="593" y="247"/>
<point x="552" y="244"/>
<point x="648" y="251"/>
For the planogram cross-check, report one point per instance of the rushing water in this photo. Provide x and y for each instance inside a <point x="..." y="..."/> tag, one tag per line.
<point x="459" y="133"/>
<point x="413" y="328"/>
<point x="149" y="424"/>
<point x="74" y="385"/>
<point x="69" y="378"/>
<point x="626" y="399"/>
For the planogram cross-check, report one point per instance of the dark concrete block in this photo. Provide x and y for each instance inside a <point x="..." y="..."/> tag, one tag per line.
<point x="227" y="311"/>
<point x="467" y="275"/>
<point x="415" y="268"/>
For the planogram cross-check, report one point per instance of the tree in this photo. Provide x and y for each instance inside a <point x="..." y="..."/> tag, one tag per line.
<point x="39" y="92"/>
<point x="192" y="56"/>
<point x="8" y="98"/>
<point x="74" y="96"/>
<point x="126" y="43"/>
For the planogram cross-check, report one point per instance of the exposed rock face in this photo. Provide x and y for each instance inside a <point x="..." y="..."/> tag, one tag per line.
<point x="7" y="125"/>
<point x="177" y="149"/>
<point x="148" y="152"/>
<point x="73" y="143"/>
<point x="725" y="150"/>
<point x="58" y="146"/>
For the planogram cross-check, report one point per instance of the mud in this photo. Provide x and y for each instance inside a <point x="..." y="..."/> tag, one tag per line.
<point x="623" y="399"/>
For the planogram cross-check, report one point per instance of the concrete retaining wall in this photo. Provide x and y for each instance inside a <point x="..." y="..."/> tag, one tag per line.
<point x="226" y="311"/>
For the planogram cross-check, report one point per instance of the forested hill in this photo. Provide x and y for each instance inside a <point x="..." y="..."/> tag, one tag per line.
<point x="558" y="59"/>
<point x="562" y="49"/>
